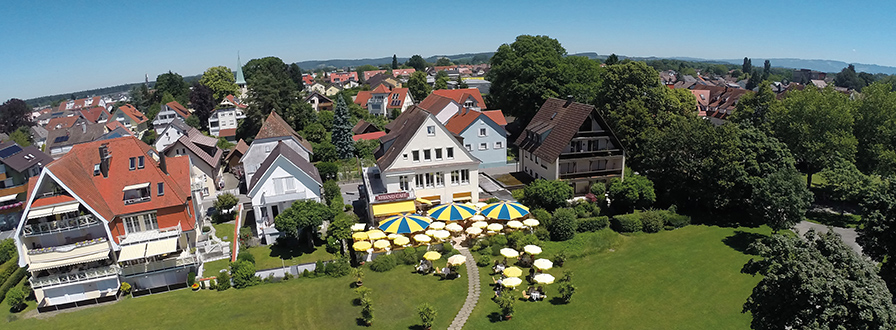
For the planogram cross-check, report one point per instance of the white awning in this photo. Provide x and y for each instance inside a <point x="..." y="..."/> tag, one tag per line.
<point x="7" y="198"/>
<point x="79" y="255"/>
<point x="66" y="208"/>
<point x="40" y="213"/>
<point x="155" y="248"/>
<point x="131" y="252"/>
<point x="136" y="186"/>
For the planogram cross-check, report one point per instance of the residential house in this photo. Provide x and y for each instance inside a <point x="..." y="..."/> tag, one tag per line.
<point x="338" y="77"/>
<point x="96" y="115"/>
<point x="272" y="132"/>
<point x="232" y="160"/>
<point x="170" y="133"/>
<point x="17" y="164"/>
<point x="441" y="106"/>
<point x="382" y="100"/>
<point x="205" y="160"/>
<point x="307" y="80"/>
<point x="803" y="76"/>
<point x="105" y="213"/>
<point x="722" y="102"/>
<point x="419" y="159"/>
<point x="403" y="72"/>
<point x="60" y="141"/>
<point x="225" y="119"/>
<point x="570" y="141"/>
<point x="64" y="122"/>
<point x="131" y="118"/>
<point x="364" y="127"/>
<point x="169" y="112"/>
<point x="368" y="136"/>
<point x="469" y="98"/>
<point x="39" y="136"/>
<point x="283" y="177"/>
<point x="80" y="104"/>
<point x="371" y="73"/>
<point x="332" y="89"/>
<point x="382" y="79"/>
<point x="484" y="135"/>
<point x="317" y="88"/>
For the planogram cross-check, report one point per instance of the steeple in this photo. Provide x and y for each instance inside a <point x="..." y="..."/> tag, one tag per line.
<point x="240" y="80"/>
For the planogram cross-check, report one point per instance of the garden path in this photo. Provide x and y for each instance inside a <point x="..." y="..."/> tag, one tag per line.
<point x="472" y="291"/>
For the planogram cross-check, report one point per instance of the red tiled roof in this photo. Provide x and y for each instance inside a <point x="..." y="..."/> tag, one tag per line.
<point x="435" y="103"/>
<point x="497" y="116"/>
<point x="362" y="98"/>
<point x="62" y="122"/>
<point x="371" y="73"/>
<point x="227" y="132"/>
<point x="457" y="123"/>
<point x="234" y="101"/>
<point x="369" y="136"/>
<point x="381" y="89"/>
<point x="202" y="146"/>
<point x="343" y="76"/>
<point x="402" y="95"/>
<point x="181" y="110"/>
<point x="93" y="115"/>
<point x="275" y="126"/>
<point x="81" y="103"/>
<point x="52" y="200"/>
<point x="113" y="124"/>
<point x="132" y="112"/>
<point x="308" y="79"/>
<point x="460" y="95"/>
<point x="238" y="151"/>
<point x="403" y="72"/>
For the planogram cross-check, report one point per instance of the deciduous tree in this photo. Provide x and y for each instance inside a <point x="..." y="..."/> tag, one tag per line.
<point x="548" y="195"/>
<point x="14" y="113"/>
<point x="636" y="192"/>
<point x="221" y="81"/>
<point x="173" y="84"/>
<point x="418" y="87"/>
<point x="304" y="215"/>
<point x="874" y="130"/>
<point x="203" y="102"/>
<point x="417" y="62"/>
<point x="780" y="199"/>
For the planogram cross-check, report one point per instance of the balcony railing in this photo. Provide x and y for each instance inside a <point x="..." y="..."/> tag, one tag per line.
<point x="58" y="226"/>
<point x="72" y="277"/>
<point x="155" y="266"/>
<point x="150" y="235"/>
<point x="137" y="200"/>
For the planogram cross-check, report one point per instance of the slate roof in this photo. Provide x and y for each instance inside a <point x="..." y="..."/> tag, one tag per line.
<point x="364" y="127"/>
<point x="559" y="120"/>
<point x="205" y="147"/>
<point x="25" y="158"/>
<point x="403" y="129"/>
<point x="292" y="156"/>
<point x="320" y="98"/>
<point x="275" y="126"/>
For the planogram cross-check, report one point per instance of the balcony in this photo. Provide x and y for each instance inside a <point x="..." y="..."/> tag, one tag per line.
<point x="75" y="276"/>
<point x="150" y="235"/>
<point x="587" y="173"/>
<point x="58" y="226"/>
<point x="284" y="197"/>
<point x="137" y="193"/>
<point x="184" y="260"/>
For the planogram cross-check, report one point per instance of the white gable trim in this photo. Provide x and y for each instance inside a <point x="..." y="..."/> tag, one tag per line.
<point x="457" y="144"/>
<point x="267" y="175"/>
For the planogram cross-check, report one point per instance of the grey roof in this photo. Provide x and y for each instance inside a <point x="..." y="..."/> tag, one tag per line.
<point x="85" y="132"/>
<point x="115" y="133"/>
<point x="292" y="156"/>
<point x="401" y="131"/>
<point x="22" y="160"/>
<point x="39" y="133"/>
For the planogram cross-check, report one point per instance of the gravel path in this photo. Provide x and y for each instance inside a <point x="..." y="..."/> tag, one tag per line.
<point x="472" y="291"/>
<point x="847" y="234"/>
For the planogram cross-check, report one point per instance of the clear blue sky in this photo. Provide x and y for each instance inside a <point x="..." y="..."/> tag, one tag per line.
<point x="60" y="48"/>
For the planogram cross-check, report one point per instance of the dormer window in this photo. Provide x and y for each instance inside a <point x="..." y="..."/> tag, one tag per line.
<point x="140" y="162"/>
<point x="132" y="163"/>
<point x="96" y="169"/>
<point x="136" y="193"/>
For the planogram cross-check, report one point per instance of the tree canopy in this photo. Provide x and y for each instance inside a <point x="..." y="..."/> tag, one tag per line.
<point x="221" y="81"/>
<point x="417" y="62"/>
<point x="14" y="113"/>
<point x="548" y="195"/>
<point x="342" y="131"/>
<point x="305" y="215"/>
<point x="418" y="87"/>
<point x="203" y="101"/>
<point x="173" y="84"/>
<point x="636" y="192"/>
<point x="875" y="130"/>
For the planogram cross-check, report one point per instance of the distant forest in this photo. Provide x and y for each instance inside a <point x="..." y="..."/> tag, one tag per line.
<point x="56" y="99"/>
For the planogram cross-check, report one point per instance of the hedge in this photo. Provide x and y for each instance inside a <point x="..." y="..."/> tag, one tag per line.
<point x="652" y="221"/>
<point x="593" y="224"/>
<point x="383" y="263"/>
<point x="677" y="220"/>
<point x="11" y="282"/>
<point x="8" y="268"/>
<point x="627" y="223"/>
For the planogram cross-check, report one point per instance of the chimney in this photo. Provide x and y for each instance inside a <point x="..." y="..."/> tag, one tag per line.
<point x="568" y="101"/>
<point x="83" y="128"/>
<point x="163" y="165"/>
<point x="105" y="157"/>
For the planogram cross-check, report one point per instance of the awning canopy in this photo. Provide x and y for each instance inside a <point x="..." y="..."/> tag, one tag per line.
<point x="136" y="186"/>
<point x="132" y="252"/>
<point x="155" y="248"/>
<point x="464" y="196"/>
<point x="7" y="198"/>
<point x="392" y="208"/>
<point x="66" y="208"/>
<point x="79" y="255"/>
<point x="40" y="213"/>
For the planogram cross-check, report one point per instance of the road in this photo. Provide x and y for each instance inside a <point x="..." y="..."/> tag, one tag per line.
<point x="848" y="235"/>
<point x="6" y="234"/>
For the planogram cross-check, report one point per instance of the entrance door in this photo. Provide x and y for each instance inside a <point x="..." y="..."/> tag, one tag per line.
<point x="275" y="210"/>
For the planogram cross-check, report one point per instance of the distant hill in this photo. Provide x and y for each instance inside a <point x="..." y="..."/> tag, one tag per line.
<point x="819" y="65"/>
<point x="346" y="63"/>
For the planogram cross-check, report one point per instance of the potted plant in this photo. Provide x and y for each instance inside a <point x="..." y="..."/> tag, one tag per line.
<point x="427" y="315"/>
<point x="367" y="311"/>
<point x="359" y="276"/>
<point x="195" y="286"/>
<point x="505" y="301"/>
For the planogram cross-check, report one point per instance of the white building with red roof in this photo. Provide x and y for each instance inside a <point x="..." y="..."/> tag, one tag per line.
<point x="168" y="112"/>
<point x="130" y="117"/>
<point x="225" y="119"/>
<point x="205" y="159"/>
<point x="107" y="212"/>
<point x="381" y="100"/>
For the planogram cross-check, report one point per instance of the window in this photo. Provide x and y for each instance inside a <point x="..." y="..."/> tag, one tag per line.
<point x="418" y="182"/>
<point x="131" y="225"/>
<point x="439" y="154"/>
<point x="427" y="155"/>
<point x="429" y="180"/>
<point x="161" y="188"/>
<point x="469" y="147"/>
<point x="404" y="156"/>
<point x="440" y="179"/>
<point x="96" y="169"/>
<point x="430" y="130"/>
<point x="455" y="178"/>
<point x="499" y="145"/>
<point x="416" y="154"/>
<point x="483" y="146"/>
<point x="284" y="185"/>
<point x="150" y="222"/>
<point x="449" y="152"/>
<point x="403" y="182"/>
<point x="536" y="160"/>
<point x="394" y="96"/>
<point x="133" y="163"/>
<point x="465" y="176"/>
<point x="140" y="162"/>
<point x="482" y="132"/>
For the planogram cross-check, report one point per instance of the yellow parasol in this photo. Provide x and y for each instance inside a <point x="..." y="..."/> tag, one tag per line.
<point x="375" y="234"/>
<point x="454" y="227"/>
<point x="429" y="232"/>
<point x="420" y="238"/>
<point x="393" y="236"/>
<point x="401" y="241"/>
<point x="480" y="224"/>
<point x="532" y="249"/>
<point x="457" y="259"/>
<point x="543" y="264"/>
<point x="361" y="246"/>
<point x="437" y="225"/>
<point x="514" y="224"/>
<point x="359" y="227"/>
<point x="423" y="201"/>
<point x="477" y="217"/>
<point x="441" y="234"/>
<point x="432" y="255"/>
<point x="509" y="253"/>
<point x="513" y="271"/>
<point x="360" y="236"/>
<point x="474" y="231"/>
<point x="544" y="278"/>
<point x="531" y="222"/>
<point x="381" y="244"/>
<point x="495" y="227"/>
<point x="511" y="282"/>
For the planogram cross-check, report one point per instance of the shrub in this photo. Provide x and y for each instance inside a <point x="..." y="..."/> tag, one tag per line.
<point x="245" y="256"/>
<point x="225" y="202"/>
<point x="560" y="258"/>
<point x="223" y="280"/>
<point x="627" y="223"/>
<point x="383" y="263"/>
<point x="563" y="226"/>
<point x="483" y="261"/>
<point x="16" y="299"/>
<point x="549" y="195"/>
<point x="367" y="309"/>
<point x="191" y="278"/>
<point x="599" y="189"/>
<point x="306" y="273"/>
<point x="319" y="268"/>
<point x="202" y="285"/>
<point x="125" y="288"/>
<point x="338" y="268"/>
<point x="566" y="290"/>
<point x="212" y="284"/>
<point x="498" y="240"/>
<point x="348" y="208"/>
<point x="12" y="281"/>
<point x="677" y="220"/>
<point x="593" y="224"/>
<point x="492" y="200"/>
<point x="243" y="274"/>
<point x="408" y="256"/>
<point x="652" y="221"/>
<point x="542" y="233"/>
<point x="505" y="302"/>
<point x="520" y="240"/>
<point x="427" y="315"/>
<point x="8" y="250"/>
<point x="544" y="217"/>
<point x="496" y="250"/>
<point x="8" y="268"/>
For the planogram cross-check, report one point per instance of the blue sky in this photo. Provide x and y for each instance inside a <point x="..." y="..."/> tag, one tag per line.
<point x="66" y="47"/>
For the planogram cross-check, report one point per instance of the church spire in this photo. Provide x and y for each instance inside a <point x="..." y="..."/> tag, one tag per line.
<point x="240" y="80"/>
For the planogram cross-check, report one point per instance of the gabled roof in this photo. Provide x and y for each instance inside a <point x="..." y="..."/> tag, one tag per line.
<point x="403" y="72"/>
<point x="381" y="89"/>
<point x="559" y="120"/>
<point x="227" y="132"/>
<point x="497" y="116"/>
<point x="136" y="116"/>
<point x="115" y="125"/>
<point x="274" y="126"/>
<point x="461" y="95"/>
<point x="368" y="136"/>
<point x="284" y="150"/>
<point x="371" y="73"/>
<point x="181" y="110"/>
<point x="404" y="128"/>
<point x="39" y="133"/>
<point x="81" y="133"/>
<point x="363" y="127"/>
<point x="20" y="159"/>
<point x="205" y="147"/>
<point x="460" y="121"/>
<point x="343" y="76"/>
<point x="104" y="194"/>
<point x="362" y="98"/>
<point x="238" y="151"/>
<point x="62" y="122"/>
<point x="435" y="103"/>
<point x="231" y="100"/>
<point x="93" y="115"/>
<point x="320" y="97"/>
<point x="81" y="103"/>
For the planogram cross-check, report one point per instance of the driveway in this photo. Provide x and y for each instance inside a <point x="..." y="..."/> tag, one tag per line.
<point x="6" y="234"/>
<point x="350" y="192"/>
<point x="847" y="234"/>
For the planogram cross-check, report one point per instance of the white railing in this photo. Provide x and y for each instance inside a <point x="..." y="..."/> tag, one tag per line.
<point x="136" y="200"/>
<point x="142" y="236"/>
<point x="159" y="265"/>
<point x="72" y="277"/>
<point x="58" y="226"/>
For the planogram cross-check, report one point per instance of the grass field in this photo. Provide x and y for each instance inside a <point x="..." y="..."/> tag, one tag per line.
<point x="688" y="278"/>
<point x="223" y="230"/>
<point x="273" y="256"/>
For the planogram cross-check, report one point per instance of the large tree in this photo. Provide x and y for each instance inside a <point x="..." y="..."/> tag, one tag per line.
<point x="848" y="78"/>
<point x="295" y="74"/>
<point x="878" y="235"/>
<point x="753" y="108"/>
<point x="875" y="130"/>
<point x="271" y="89"/>
<point x="817" y="126"/>
<point x="221" y="81"/>
<point x="816" y="283"/>
<point x="548" y="195"/>
<point x="418" y="87"/>
<point x="342" y="131"/>
<point x="780" y="199"/>
<point x="14" y="113"/>
<point x="394" y="61"/>
<point x="173" y="84"/>
<point x="525" y="73"/>
<point x="202" y="99"/>
<point x="303" y="215"/>
<point x="417" y="62"/>
<point x="636" y="192"/>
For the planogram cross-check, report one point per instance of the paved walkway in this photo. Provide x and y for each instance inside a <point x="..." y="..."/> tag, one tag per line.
<point x="472" y="291"/>
<point x="848" y="235"/>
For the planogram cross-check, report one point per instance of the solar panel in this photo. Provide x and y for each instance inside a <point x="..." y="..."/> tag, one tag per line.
<point x="61" y="139"/>
<point x="9" y="151"/>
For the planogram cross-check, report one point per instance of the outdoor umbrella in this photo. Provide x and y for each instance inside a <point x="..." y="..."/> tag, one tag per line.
<point x="509" y="253"/>
<point x="393" y="236"/>
<point x="401" y="241"/>
<point x="532" y="249"/>
<point x="480" y="205"/>
<point x="454" y="227"/>
<point x="361" y="246"/>
<point x="505" y="210"/>
<point x="404" y="224"/>
<point x="531" y="222"/>
<point x="360" y="236"/>
<point x="477" y="217"/>
<point x="437" y="225"/>
<point x="381" y="244"/>
<point x="457" y="259"/>
<point x="544" y="278"/>
<point x="359" y="227"/>
<point x="420" y="238"/>
<point x="511" y="282"/>
<point x="474" y="231"/>
<point x="495" y="227"/>
<point x="452" y="212"/>
<point x="543" y="264"/>
<point x="480" y="224"/>
<point x="513" y="271"/>
<point x="432" y="255"/>
<point x="441" y="234"/>
<point x="375" y="234"/>
<point x="514" y="224"/>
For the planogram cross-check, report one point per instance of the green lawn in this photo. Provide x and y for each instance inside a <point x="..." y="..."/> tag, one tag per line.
<point x="224" y="230"/>
<point x="273" y="256"/>
<point x="834" y="219"/>
<point x="688" y="278"/>
<point x="312" y="303"/>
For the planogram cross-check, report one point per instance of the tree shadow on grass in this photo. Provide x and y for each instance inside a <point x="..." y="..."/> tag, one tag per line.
<point x="292" y="248"/>
<point x="741" y="240"/>
<point x="416" y="327"/>
<point x="495" y="317"/>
